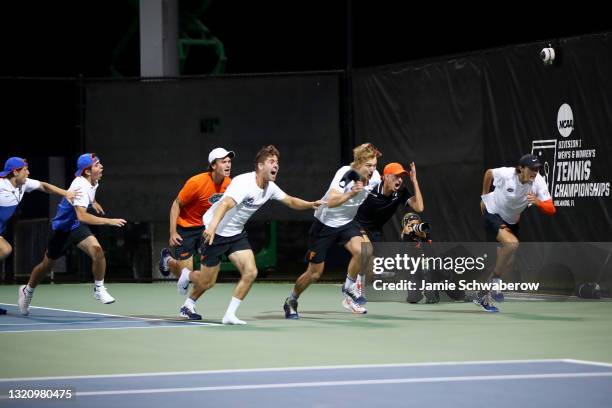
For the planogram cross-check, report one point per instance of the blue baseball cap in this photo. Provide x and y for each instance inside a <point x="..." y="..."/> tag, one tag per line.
<point x="14" y="163"/>
<point x="85" y="161"/>
<point x="531" y="161"/>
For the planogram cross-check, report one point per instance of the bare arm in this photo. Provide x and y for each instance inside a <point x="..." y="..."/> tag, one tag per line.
<point x="335" y="198"/>
<point x="175" y="209"/>
<point x="51" y="189"/>
<point x="416" y="202"/>
<point x="547" y="206"/>
<point x="486" y="187"/>
<point x="87" y="218"/>
<point x="487" y="181"/>
<point x="299" y="204"/>
<point x="227" y="204"/>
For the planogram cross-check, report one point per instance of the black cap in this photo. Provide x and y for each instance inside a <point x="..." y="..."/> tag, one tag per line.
<point x="531" y="161"/>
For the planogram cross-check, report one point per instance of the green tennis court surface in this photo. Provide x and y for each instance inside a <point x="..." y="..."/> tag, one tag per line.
<point x="68" y="333"/>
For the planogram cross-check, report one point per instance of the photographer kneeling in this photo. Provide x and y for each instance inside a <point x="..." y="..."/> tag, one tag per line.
<point x="414" y="230"/>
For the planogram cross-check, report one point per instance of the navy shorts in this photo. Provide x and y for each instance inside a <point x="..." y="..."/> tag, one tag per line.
<point x="211" y="254"/>
<point x="61" y="241"/>
<point x="492" y="224"/>
<point x="321" y="238"/>
<point x="192" y="241"/>
<point x="374" y="235"/>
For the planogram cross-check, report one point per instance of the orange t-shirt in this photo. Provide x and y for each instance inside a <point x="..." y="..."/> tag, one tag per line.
<point x="197" y="195"/>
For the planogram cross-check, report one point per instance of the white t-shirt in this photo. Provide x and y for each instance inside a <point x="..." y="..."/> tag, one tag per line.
<point x="343" y="214"/>
<point x="10" y="197"/>
<point x="248" y="197"/>
<point x="66" y="218"/>
<point x="509" y="198"/>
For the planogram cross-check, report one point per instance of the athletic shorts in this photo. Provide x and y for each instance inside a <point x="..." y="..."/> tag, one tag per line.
<point x="211" y="254"/>
<point x="61" y="241"/>
<point x="321" y="238"/>
<point x="192" y="241"/>
<point x="374" y="235"/>
<point x="492" y="224"/>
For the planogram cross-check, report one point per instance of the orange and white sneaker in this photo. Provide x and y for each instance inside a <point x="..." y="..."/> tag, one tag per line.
<point x="359" y="283"/>
<point x="351" y="305"/>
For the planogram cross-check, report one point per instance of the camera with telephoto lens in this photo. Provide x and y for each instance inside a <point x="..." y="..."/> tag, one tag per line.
<point x="420" y="228"/>
<point x="423" y="227"/>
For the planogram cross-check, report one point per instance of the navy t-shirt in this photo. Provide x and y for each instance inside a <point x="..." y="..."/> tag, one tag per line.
<point x="378" y="208"/>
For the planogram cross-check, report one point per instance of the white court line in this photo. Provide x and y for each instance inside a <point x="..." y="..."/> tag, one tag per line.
<point x="343" y="383"/>
<point x="59" y="323"/>
<point x="177" y="323"/>
<point x="173" y="326"/>
<point x="280" y="369"/>
<point x="91" y="313"/>
<point x="587" y="362"/>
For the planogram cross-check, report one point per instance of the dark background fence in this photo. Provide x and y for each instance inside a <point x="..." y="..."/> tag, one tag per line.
<point x="454" y="117"/>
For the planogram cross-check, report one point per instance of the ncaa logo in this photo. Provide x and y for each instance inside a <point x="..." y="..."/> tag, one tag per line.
<point x="565" y="120"/>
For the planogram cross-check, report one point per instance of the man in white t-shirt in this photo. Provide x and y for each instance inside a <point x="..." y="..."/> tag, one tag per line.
<point x="225" y="220"/>
<point x="334" y="224"/>
<point x="516" y="188"/>
<point x="14" y="183"/>
<point x="70" y="227"/>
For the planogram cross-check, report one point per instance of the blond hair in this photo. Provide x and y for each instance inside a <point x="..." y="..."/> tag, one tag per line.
<point x="363" y="153"/>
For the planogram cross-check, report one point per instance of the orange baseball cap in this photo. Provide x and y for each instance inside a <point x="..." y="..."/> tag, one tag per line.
<point x="394" y="168"/>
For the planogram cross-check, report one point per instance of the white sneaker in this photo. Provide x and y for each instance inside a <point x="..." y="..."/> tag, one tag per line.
<point x="101" y="294"/>
<point x="183" y="283"/>
<point x="349" y="304"/>
<point x="359" y="285"/>
<point x="24" y="301"/>
<point x="232" y="319"/>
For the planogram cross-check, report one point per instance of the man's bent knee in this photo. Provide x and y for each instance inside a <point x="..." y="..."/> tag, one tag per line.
<point x="315" y="271"/>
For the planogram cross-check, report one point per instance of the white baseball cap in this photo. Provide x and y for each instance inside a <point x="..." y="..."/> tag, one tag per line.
<point x="219" y="153"/>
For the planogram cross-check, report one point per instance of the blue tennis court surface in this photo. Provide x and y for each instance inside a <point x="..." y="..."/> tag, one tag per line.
<point x="501" y="384"/>
<point x="50" y="319"/>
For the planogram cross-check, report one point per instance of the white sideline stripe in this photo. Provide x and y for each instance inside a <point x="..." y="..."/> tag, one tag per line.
<point x="173" y="326"/>
<point x="277" y="369"/>
<point x="344" y="383"/>
<point x="59" y="323"/>
<point x="587" y="362"/>
<point x="91" y="313"/>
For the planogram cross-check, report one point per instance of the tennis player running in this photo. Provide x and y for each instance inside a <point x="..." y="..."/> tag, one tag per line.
<point x="14" y="183"/>
<point x="70" y="227"/>
<point x="334" y="224"/>
<point x="516" y="188"/>
<point x="198" y="194"/>
<point x="225" y="221"/>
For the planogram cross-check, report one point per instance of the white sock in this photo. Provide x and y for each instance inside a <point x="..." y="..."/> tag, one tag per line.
<point x="348" y="282"/>
<point x="233" y="306"/>
<point x="99" y="283"/>
<point x="185" y="274"/>
<point x="29" y="289"/>
<point x="189" y="302"/>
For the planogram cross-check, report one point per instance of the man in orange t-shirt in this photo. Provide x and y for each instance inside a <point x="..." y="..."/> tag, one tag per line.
<point x="198" y="194"/>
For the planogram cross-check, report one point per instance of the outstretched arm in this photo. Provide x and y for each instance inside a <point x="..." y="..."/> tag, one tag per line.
<point x="51" y="189"/>
<point x="87" y="218"/>
<point x="299" y="204"/>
